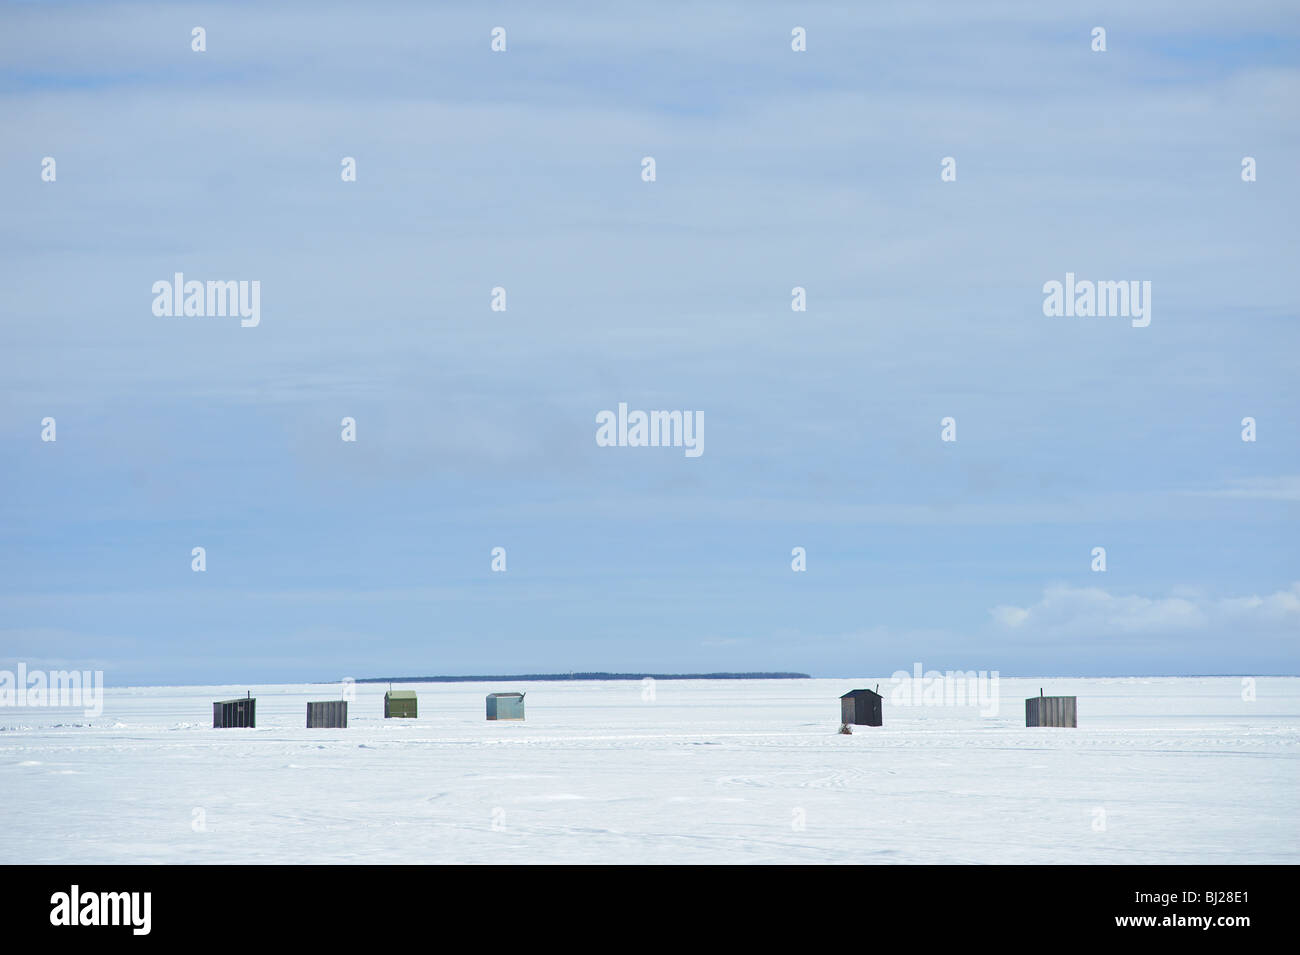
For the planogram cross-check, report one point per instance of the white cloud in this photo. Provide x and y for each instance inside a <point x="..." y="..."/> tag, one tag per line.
<point x="1066" y="611"/>
<point x="1285" y="487"/>
<point x="1010" y="617"/>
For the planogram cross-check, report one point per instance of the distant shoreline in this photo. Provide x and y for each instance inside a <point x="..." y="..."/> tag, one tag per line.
<point x="548" y="677"/>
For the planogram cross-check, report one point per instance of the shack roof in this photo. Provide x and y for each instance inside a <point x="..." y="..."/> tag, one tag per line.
<point x="854" y="694"/>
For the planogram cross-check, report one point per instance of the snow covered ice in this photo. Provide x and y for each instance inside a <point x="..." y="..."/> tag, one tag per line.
<point x="1160" y="770"/>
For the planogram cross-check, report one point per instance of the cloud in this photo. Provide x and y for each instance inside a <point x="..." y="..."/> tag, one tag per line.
<point x="1280" y="607"/>
<point x="1010" y="617"/>
<point x="1092" y="612"/>
<point x="1282" y="488"/>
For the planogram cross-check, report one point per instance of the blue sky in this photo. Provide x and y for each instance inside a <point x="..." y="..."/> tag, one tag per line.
<point x="476" y="428"/>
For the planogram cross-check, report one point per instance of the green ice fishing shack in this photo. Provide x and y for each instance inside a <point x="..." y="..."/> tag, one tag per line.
<point x="399" y="704"/>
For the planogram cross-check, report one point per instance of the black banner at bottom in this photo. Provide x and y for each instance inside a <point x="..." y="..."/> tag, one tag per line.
<point x="325" y="904"/>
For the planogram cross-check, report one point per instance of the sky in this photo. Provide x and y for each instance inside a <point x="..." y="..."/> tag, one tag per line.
<point x="475" y="428"/>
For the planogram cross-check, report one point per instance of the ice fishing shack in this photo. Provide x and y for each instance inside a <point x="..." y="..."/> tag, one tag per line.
<point x="232" y="714"/>
<point x="1052" y="710"/>
<point x="505" y="706"/>
<point x="327" y="714"/>
<point x="861" y="708"/>
<point x="399" y="704"/>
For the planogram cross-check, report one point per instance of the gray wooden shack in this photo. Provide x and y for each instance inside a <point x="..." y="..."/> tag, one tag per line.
<point x="861" y="708"/>
<point x="329" y="714"/>
<point x="229" y="714"/>
<point x="505" y="706"/>
<point x="1052" y="710"/>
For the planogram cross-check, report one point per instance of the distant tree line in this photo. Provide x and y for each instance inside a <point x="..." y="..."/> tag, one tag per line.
<point x="540" y="677"/>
